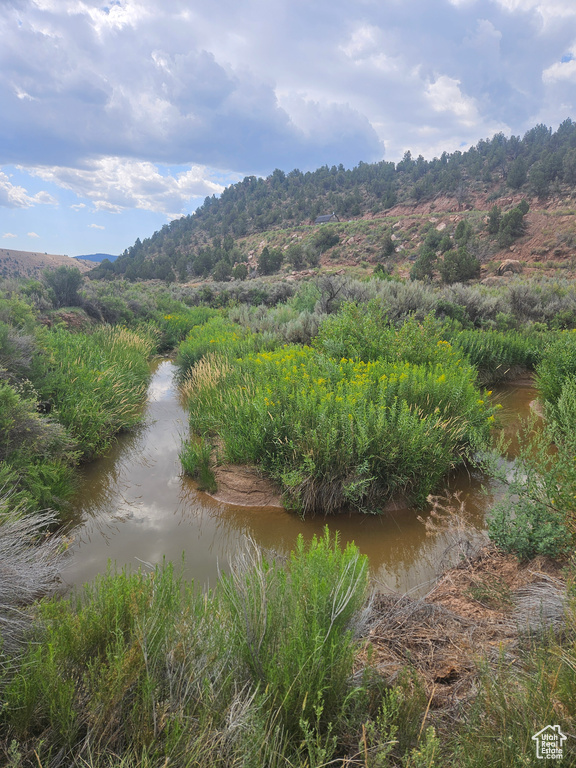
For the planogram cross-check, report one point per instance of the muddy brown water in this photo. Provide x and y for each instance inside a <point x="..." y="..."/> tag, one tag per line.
<point x="135" y="508"/>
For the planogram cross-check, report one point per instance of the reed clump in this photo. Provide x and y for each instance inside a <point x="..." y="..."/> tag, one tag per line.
<point x="94" y="383"/>
<point x="258" y="672"/>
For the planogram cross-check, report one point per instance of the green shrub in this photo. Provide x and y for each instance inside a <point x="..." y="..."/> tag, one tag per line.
<point x="36" y="453"/>
<point x="537" y="516"/>
<point x="16" y="352"/>
<point x="495" y="353"/>
<point x="458" y="266"/>
<point x="219" y="335"/>
<point x="293" y="626"/>
<point x="338" y="433"/>
<point x="270" y="260"/>
<point x="257" y="673"/>
<point x="98" y="661"/>
<point x="175" y="326"/>
<point x="64" y="284"/>
<point x="364" y="332"/>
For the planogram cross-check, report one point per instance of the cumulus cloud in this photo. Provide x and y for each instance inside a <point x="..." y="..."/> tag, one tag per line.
<point x="445" y="95"/>
<point x="33" y="234"/>
<point x="96" y="226"/>
<point x="9" y="234"/>
<point x="114" y="184"/>
<point x="560" y="71"/>
<point x="148" y="81"/>
<point x="15" y="196"/>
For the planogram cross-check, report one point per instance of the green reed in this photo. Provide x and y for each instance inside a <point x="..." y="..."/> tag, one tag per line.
<point x="94" y="382"/>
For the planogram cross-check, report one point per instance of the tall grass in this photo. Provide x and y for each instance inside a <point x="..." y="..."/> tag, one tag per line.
<point x="36" y="453"/>
<point x="141" y="667"/>
<point x="498" y="355"/>
<point x="348" y="432"/>
<point x="95" y="382"/>
<point x="30" y="562"/>
<point x="175" y="325"/>
<point x="366" y="332"/>
<point x="219" y="336"/>
<point x="558" y="364"/>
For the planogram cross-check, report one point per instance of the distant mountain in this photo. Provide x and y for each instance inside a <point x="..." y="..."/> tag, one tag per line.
<point x="32" y="263"/>
<point x="97" y="257"/>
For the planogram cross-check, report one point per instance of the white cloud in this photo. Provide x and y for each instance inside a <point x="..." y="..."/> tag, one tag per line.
<point x="15" y="196"/>
<point x="33" y="234"/>
<point x="246" y="87"/>
<point x="9" y="234"/>
<point x="96" y="226"/>
<point x="551" y="11"/>
<point x="445" y="95"/>
<point x="114" y="184"/>
<point x="560" y="71"/>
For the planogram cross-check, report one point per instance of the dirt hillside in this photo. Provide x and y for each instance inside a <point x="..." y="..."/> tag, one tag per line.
<point x="32" y="263"/>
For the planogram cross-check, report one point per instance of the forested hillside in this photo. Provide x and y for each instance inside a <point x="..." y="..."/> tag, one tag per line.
<point x="209" y="242"/>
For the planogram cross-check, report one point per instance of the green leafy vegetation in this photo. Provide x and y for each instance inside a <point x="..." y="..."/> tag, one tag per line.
<point x="94" y="383"/>
<point x="267" y="669"/>
<point x="347" y="392"/>
<point x="538" y="514"/>
<point x="258" y="671"/>
<point x="337" y="430"/>
<point x="63" y="395"/>
<point x="196" y="458"/>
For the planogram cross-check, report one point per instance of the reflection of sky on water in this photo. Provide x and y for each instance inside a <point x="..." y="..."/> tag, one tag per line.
<point x="134" y="507"/>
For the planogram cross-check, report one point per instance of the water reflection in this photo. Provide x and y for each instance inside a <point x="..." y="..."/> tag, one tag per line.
<point x="135" y="507"/>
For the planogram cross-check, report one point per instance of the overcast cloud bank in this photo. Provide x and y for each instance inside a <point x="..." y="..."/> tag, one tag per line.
<point x="146" y="106"/>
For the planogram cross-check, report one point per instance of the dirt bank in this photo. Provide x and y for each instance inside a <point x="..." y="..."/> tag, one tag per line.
<point x="245" y="487"/>
<point x="479" y="609"/>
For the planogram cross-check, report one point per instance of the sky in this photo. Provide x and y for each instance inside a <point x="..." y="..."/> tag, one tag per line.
<point x="117" y="118"/>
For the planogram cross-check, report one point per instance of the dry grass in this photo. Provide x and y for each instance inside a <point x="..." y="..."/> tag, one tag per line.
<point x="206" y="374"/>
<point x="30" y="560"/>
<point x="477" y="611"/>
<point x="450" y="519"/>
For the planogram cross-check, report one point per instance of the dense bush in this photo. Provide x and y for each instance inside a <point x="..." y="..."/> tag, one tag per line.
<point x="36" y="453"/>
<point x="175" y="326"/>
<point x="64" y="284"/>
<point x="458" y="266"/>
<point x="257" y="673"/>
<point x="365" y="332"/>
<point x="496" y="354"/>
<point x="339" y="433"/>
<point x="537" y="516"/>
<point x="219" y="335"/>
<point x="270" y="260"/>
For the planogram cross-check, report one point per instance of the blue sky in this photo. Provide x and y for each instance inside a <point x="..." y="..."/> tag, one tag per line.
<point x="118" y="117"/>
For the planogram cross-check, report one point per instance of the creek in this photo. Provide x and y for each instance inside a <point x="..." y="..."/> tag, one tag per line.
<point x="134" y="507"/>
